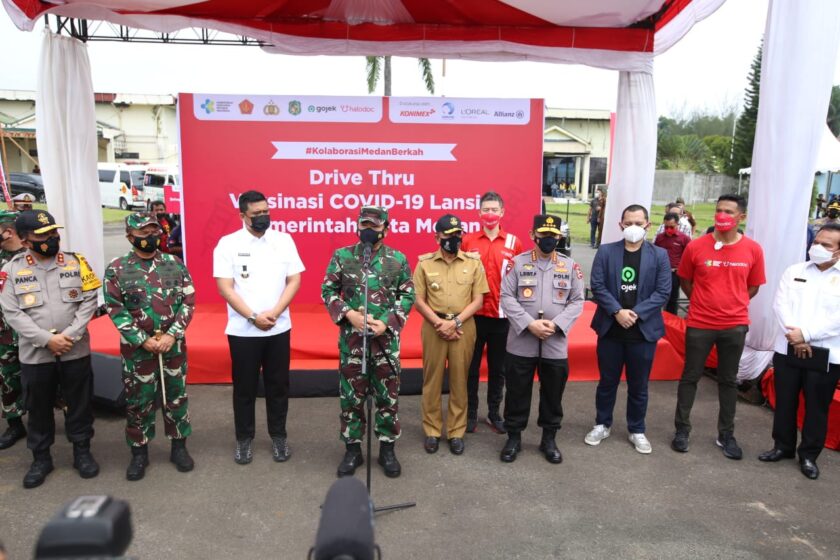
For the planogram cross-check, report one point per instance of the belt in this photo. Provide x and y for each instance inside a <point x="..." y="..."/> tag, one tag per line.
<point x="447" y="316"/>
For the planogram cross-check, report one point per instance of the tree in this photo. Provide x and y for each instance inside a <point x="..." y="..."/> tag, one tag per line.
<point x="379" y="65"/>
<point x="745" y="129"/>
<point x="833" y="118"/>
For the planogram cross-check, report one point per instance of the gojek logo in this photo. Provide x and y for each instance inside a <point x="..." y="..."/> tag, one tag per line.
<point x="209" y="106"/>
<point x="628" y="274"/>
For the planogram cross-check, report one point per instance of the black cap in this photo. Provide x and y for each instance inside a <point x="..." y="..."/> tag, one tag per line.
<point x="448" y="223"/>
<point x="36" y="221"/>
<point x="547" y="223"/>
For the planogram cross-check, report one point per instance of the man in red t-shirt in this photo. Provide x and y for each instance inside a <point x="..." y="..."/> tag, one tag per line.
<point x="497" y="249"/>
<point x="720" y="272"/>
<point x="674" y="241"/>
<point x="158" y="210"/>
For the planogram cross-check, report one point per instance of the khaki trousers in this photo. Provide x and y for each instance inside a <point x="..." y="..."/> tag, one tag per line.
<point x="436" y="354"/>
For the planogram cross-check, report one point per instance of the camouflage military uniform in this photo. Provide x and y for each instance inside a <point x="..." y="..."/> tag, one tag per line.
<point x="142" y="297"/>
<point x="11" y="397"/>
<point x="390" y="297"/>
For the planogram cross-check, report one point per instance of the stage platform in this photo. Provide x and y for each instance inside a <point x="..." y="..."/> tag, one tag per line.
<point x="315" y="350"/>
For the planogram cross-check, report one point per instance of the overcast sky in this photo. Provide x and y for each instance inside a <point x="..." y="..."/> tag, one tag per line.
<point x="706" y="70"/>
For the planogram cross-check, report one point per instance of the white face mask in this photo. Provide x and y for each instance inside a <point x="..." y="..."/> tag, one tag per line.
<point x="634" y="234"/>
<point x="819" y="254"/>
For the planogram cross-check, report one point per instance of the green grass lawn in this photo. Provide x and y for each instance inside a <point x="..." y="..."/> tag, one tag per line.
<point x="703" y="214"/>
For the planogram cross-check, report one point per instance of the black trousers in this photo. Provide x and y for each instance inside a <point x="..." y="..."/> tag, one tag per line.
<point x="40" y="383"/>
<point x="492" y="332"/>
<point x="249" y="354"/>
<point x="698" y="344"/>
<point x="672" y="306"/>
<point x="818" y="389"/>
<point x="519" y="376"/>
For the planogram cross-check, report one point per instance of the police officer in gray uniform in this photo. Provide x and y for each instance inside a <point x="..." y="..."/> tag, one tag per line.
<point x="542" y="297"/>
<point x="48" y="297"/>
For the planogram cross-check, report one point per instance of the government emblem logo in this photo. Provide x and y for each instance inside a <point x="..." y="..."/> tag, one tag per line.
<point x="294" y="107"/>
<point x="271" y="109"/>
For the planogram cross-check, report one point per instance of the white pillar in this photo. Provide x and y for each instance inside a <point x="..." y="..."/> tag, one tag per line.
<point x="583" y="187"/>
<point x="800" y="52"/>
<point x="578" y="174"/>
<point x="634" y="154"/>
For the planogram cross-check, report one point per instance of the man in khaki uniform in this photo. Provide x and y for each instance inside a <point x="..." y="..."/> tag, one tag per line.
<point x="450" y="287"/>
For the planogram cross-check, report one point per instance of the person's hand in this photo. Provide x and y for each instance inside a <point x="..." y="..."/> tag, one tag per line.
<point x="794" y="335"/>
<point x="151" y="344"/>
<point x="803" y="351"/>
<point x="59" y="344"/>
<point x="265" y="321"/>
<point x="626" y="318"/>
<point x="165" y="343"/>
<point x="378" y="327"/>
<point x="446" y="329"/>
<point x="541" y="328"/>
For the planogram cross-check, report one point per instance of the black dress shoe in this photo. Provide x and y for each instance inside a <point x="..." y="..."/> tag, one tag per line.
<point x="37" y="473"/>
<point x="548" y="447"/>
<point x="352" y="460"/>
<point x="431" y="444"/>
<point x="511" y="449"/>
<point x="83" y="460"/>
<point x="809" y="468"/>
<point x="13" y="433"/>
<point x="496" y="424"/>
<point x="456" y="446"/>
<point x="388" y="460"/>
<point x="774" y="455"/>
<point x="472" y="424"/>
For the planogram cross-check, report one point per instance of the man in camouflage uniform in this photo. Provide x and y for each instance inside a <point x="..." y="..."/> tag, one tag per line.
<point x="150" y="298"/>
<point x="390" y="297"/>
<point x="11" y="397"/>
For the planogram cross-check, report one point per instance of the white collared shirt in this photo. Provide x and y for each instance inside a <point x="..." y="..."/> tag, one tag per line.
<point x="809" y="298"/>
<point x="259" y="267"/>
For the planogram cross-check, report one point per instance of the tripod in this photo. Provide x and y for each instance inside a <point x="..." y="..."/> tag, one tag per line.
<point x="368" y="336"/>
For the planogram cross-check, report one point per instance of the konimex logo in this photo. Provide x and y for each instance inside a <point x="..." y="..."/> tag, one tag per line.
<point x="209" y="106"/>
<point x="417" y="113"/>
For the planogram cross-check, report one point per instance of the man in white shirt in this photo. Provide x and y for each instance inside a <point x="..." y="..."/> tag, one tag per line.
<point x="257" y="271"/>
<point x="683" y="225"/>
<point x="808" y="309"/>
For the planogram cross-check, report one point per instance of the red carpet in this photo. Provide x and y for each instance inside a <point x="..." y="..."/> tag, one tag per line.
<point x="314" y="345"/>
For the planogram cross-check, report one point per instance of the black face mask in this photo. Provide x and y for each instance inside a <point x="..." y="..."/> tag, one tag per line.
<point x="148" y="244"/>
<point x="261" y="223"/>
<point x="451" y="244"/>
<point x="48" y="248"/>
<point x="547" y="244"/>
<point x="370" y="236"/>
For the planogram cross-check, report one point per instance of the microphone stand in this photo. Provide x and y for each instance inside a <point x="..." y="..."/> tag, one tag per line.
<point x="368" y="335"/>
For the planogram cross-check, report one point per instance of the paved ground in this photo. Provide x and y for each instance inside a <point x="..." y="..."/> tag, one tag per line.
<point x="601" y="502"/>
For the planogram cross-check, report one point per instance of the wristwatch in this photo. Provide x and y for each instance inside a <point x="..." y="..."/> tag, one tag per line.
<point x="253" y="319"/>
<point x="458" y="323"/>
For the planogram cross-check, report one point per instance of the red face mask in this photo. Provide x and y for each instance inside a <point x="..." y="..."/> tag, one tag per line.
<point x="725" y="222"/>
<point x="671" y="230"/>
<point x="489" y="220"/>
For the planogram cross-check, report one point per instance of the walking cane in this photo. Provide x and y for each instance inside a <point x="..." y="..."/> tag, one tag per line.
<point x="159" y="334"/>
<point x="58" y="403"/>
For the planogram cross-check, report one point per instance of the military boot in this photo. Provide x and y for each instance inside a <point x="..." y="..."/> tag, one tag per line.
<point x="388" y="459"/>
<point x="180" y="456"/>
<point x="14" y="432"/>
<point x="352" y="459"/>
<point x="549" y="447"/>
<point x="42" y="465"/>
<point x="512" y="447"/>
<point x="83" y="460"/>
<point x="139" y="461"/>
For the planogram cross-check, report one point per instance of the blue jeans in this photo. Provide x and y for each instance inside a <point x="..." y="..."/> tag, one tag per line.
<point x="593" y="232"/>
<point x="614" y="355"/>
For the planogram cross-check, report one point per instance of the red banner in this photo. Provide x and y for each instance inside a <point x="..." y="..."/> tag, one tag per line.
<point x="319" y="159"/>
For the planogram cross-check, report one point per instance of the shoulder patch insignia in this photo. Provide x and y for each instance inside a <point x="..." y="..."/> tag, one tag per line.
<point x="89" y="279"/>
<point x="3" y="277"/>
<point x="578" y="271"/>
<point x="24" y="272"/>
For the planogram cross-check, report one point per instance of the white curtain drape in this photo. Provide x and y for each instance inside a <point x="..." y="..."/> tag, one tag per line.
<point x="800" y="52"/>
<point x="634" y="152"/>
<point x="67" y="145"/>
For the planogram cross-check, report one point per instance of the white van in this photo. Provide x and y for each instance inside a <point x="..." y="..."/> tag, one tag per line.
<point x="121" y="185"/>
<point x="157" y="178"/>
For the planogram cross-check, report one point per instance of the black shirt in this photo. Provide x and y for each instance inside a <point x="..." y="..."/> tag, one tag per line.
<point x="629" y="285"/>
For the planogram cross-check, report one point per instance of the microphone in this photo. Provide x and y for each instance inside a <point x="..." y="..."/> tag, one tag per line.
<point x="346" y="528"/>
<point x="367" y="252"/>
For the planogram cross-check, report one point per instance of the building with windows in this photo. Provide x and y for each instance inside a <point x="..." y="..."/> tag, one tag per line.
<point x="576" y="151"/>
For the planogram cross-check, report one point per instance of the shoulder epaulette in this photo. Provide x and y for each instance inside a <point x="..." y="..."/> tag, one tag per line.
<point x="426" y="256"/>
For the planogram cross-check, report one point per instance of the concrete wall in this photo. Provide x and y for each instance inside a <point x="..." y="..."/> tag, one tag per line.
<point x="691" y="186"/>
<point x="150" y="130"/>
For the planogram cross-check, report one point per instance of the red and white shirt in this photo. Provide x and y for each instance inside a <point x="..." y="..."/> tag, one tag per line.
<point x="497" y="258"/>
